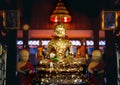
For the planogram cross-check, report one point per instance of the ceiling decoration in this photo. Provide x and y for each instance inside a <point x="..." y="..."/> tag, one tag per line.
<point x="60" y="13"/>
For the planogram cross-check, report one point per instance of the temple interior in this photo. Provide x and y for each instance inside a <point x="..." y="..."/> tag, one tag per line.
<point x="59" y="42"/>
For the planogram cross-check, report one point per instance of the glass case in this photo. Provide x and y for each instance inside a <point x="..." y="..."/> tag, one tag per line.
<point x="109" y="20"/>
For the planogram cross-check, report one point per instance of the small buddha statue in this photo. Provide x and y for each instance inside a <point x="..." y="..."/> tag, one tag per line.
<point x="96" y="68"/>
<point x="24" y="68"/>
<point x="40" y="52"/>
<point x="82" y="53"/>
<point x="60" y="43"/>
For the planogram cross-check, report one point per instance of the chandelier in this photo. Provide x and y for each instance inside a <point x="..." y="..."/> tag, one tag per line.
<point x="60" y="14"/>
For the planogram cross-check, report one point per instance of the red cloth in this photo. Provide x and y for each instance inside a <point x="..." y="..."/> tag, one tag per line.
<point x="25" y="79"/>
<point x="99" y="78"/>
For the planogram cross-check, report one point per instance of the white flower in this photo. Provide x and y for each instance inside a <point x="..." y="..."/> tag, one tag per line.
<point x="52" y="55"/>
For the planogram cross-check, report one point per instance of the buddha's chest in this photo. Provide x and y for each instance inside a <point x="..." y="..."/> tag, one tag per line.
<point x="61" y="45"/>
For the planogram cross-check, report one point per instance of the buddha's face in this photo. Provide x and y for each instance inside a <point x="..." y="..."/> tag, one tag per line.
<point x="96" y="55"/>
<point x="24" y="55"/>
<point x="60" y="31"/>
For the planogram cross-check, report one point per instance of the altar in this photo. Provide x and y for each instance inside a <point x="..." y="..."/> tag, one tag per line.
<point x="72" y="73"/>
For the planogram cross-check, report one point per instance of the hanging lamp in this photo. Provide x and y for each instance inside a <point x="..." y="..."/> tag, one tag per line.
<point x="60" y="14"/>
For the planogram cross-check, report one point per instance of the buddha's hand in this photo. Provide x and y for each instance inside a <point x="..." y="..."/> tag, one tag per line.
<point x="30" y="71"/>
<point x="98" y="72"/>
<point x="26" y="71"/>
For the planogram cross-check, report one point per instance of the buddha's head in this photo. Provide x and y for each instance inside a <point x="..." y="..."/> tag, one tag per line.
<point x="96" y="55"/>
<point x="24" y="54"/>
<point x="60" y="30"/>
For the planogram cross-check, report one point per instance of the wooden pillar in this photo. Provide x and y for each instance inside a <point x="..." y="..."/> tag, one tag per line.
<point x="96" y="39"/>
<point x="25" y="38"/>
<point x="110" y="59"/>
<point x="11" y="57"/>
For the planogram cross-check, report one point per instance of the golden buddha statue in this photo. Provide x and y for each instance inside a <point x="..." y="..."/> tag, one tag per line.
<point x="60" y="43"/>
<point x="59" y="66"/>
